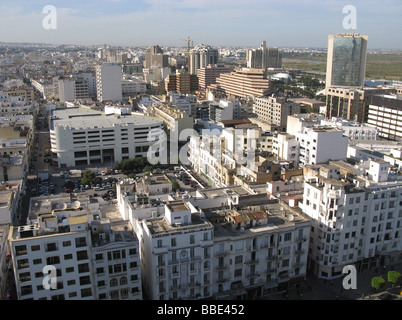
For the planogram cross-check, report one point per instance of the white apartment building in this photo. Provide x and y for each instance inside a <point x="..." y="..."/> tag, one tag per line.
<point x="132" y="88"/>
<point x="91" y="257"/>
<point x="84" y="137"/>
<point x="177" y="253"/>
<point x="262" y="251"/>
<point x="109" y="82"/>
<point x="321" y="144"/>
<point x="356" y="220"/>
<point x="352" y="129"/>
<point x="286" y="147"/>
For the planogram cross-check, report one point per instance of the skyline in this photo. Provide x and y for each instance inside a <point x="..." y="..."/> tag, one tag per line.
<point x="305" y="23"/>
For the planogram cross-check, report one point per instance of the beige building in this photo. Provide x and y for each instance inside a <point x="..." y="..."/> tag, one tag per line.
<point x="351" y="103"/>
<point x="275" y="110"/>
<point x="242" y="83"/>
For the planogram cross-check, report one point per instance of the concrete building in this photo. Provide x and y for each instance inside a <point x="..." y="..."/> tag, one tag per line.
<point x="385" y="113"/>
<point x="352" y="129"/>
<point x="109" y="82"/>
<point x="352" y="103"/>
<point x="242" y="83"/>
<point x="154" y="57"/>
<point x="131" y="88"/>
<point x="263" y="57"/>
<point x="84" y="137"/>
<point x="286" y="147"/>
<point x="355" y="216"/>
<point x="275" y="110"/>
<point x="201" y="56"/>
<point x="346" y="60"/>
<point x="208" y="75"/>
<point x="183" y="83"/>
<point x="90" y="257"/>
<point x="320" y="144"/>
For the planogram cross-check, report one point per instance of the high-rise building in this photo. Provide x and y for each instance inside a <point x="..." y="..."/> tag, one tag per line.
<point x="209" y="74"/>
<point x="346" y="60"/>
<point x="154" y="57"/>
<point x="181" y="82"/>
<point x="201" y="56"/>
<point x="263" y="57"/>
<point x="108" y="82"/>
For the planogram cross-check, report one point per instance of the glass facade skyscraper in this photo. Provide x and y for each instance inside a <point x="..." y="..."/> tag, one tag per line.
<point x="346" y="61"/>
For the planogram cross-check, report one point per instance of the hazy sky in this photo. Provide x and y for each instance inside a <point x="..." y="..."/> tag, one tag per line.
<point x="282" y="23"/>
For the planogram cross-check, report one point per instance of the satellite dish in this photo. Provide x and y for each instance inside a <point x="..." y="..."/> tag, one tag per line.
<point x="62" y="206"/>
<point x="76" y="204"/>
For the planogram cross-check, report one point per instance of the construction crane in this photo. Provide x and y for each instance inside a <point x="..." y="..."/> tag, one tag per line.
<point x="188" y="40"/>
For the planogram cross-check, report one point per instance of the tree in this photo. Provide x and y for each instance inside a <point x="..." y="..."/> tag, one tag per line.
<point x="175" y="184"/>
<point x="377" y="282"/>
<point x="87" y="177"/>
<point x="394" y="277"/>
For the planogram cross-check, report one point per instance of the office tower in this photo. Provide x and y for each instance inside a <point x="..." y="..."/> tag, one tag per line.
<point x="108" y="82"/>
<point x="181" y="82"/>
<point x="209" y="74"/>
<point x="242" y="83"/>
<point x="346" y="60"/>
<point x="154" y="57"/>
<point x="263" y="57"/>
<point x="201" y="56"/>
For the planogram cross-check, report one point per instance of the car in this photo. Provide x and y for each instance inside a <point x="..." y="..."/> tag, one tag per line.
<point x="387" y="296"/>
<point x="69" y="190"/>
<point x="98" y="189"/>
<point x="103" y="173"/>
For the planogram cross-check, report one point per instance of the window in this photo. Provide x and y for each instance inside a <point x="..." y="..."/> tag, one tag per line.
<point x="238" y="273"/>
<point x="21" y="250"/>
<point x="84" y="267"/>
<point x="238" y="259"/>
<point x="86" y="292"/>
<point x="35" y="248"/>
<point x="85" y="280"/>
<point x="114" y="282"/>
<point x="288" y="236"/>
<point x="80" y="242"/>
<point x="82" y="255"/>
<point x="66" y="243"/>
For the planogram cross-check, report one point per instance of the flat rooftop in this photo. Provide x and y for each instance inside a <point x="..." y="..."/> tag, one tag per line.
<point x="77" y="118"/>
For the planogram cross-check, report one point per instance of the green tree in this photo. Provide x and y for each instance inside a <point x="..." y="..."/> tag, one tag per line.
<point x="87" y="177"/>
<point x="175" y="184"/>
<point x="377" y="282"/>
<point x="394" y="277"/>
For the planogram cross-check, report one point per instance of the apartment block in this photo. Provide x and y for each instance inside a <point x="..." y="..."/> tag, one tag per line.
<point x="321" y="144"/>
<point x="355" y="211"/>
<point x="275" y="110"/>
<point x="89" y="257"/>
<point x="183" y="83"/>
<point x="109" y="82"/>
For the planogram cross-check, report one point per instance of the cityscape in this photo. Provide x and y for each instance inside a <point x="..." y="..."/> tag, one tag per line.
<point x="200" y="172"/>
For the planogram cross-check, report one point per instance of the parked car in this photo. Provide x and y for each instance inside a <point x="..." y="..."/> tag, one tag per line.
<point x="69" y="190"/>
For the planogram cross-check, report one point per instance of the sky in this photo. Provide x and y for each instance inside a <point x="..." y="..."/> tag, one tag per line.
<point x="243" y="23"/>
